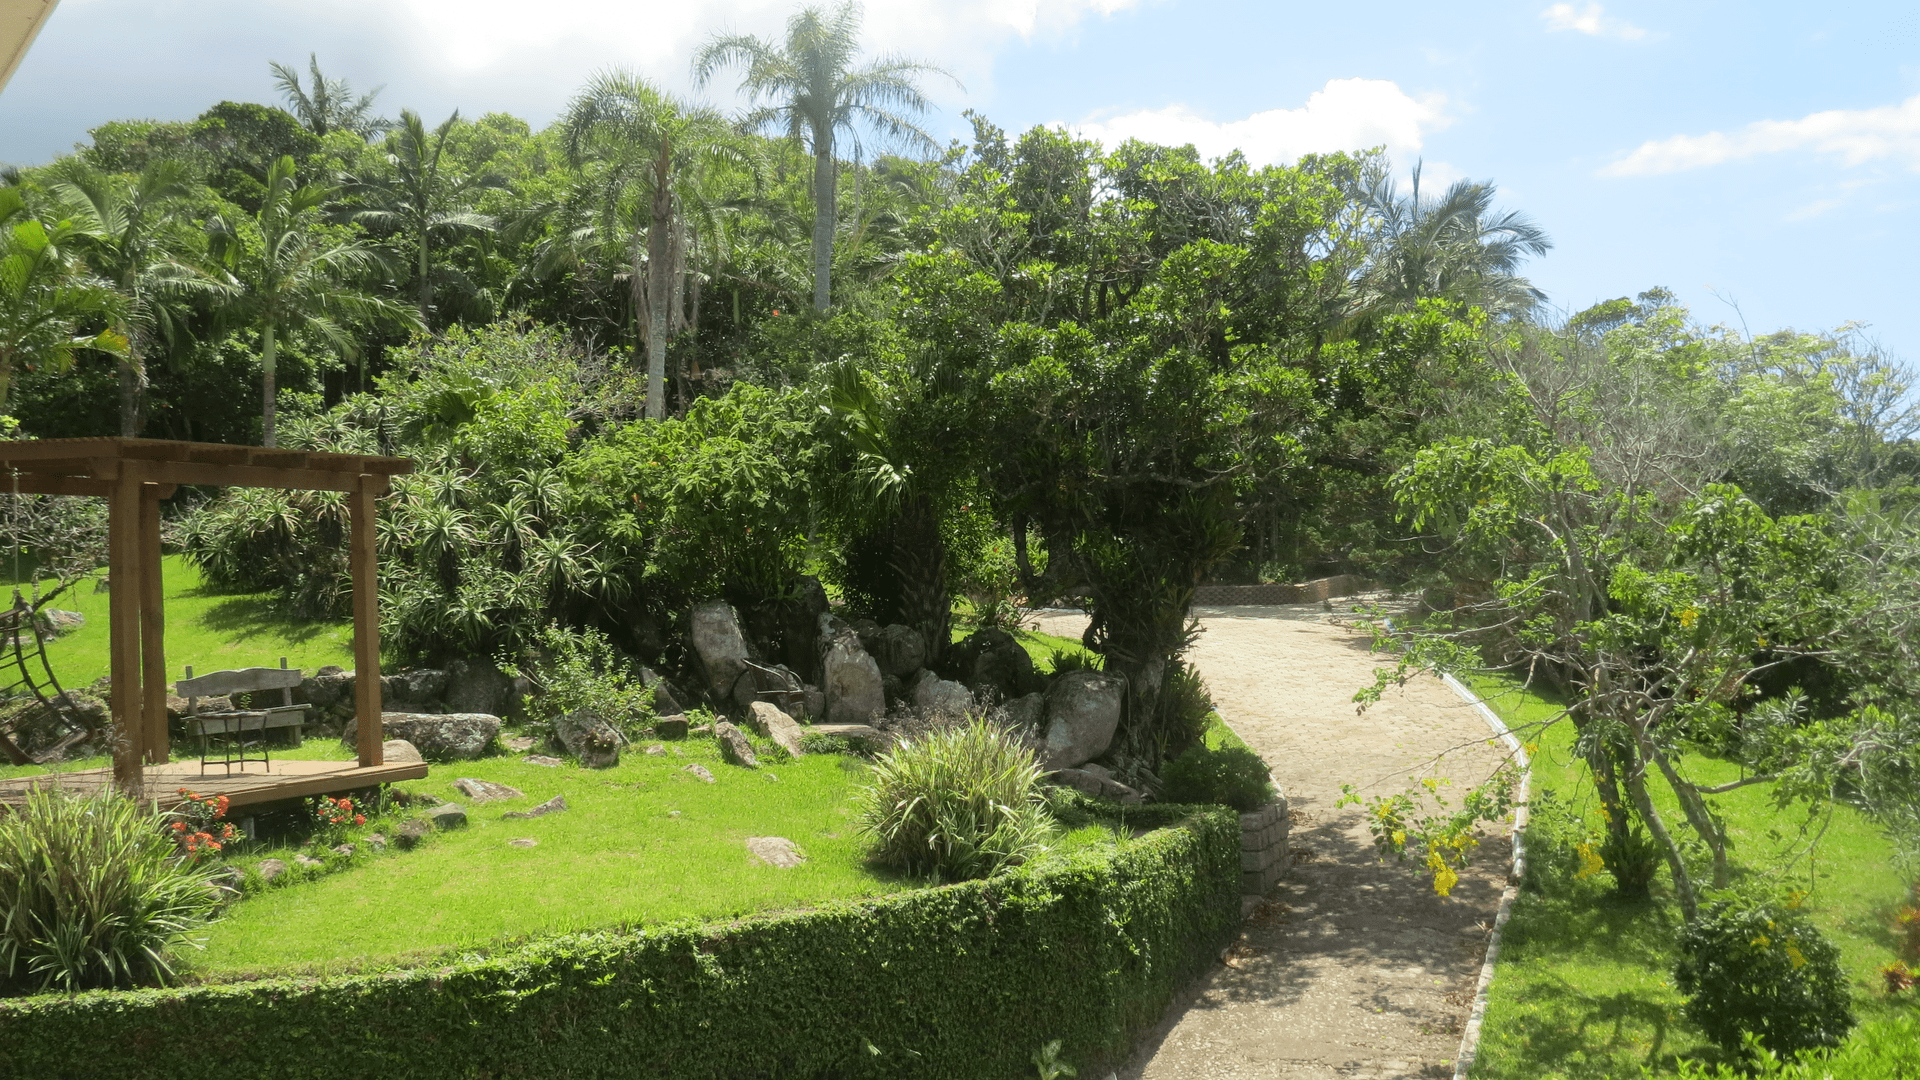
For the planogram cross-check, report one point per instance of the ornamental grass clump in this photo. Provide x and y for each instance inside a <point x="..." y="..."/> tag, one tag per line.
<point x="956" y="804"/>
<point x="93" y="894"/>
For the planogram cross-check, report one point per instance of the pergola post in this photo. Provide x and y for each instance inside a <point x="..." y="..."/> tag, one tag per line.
<point x="153" y="630"/>
<point x="123" y="621"/>
<point x="370" y="733"/>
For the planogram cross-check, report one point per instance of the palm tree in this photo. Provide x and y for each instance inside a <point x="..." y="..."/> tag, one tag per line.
<point x="330" y="104"/>
<point x="422" y="197"/>
<point x="667" y="154"/>
<point x="46" y="294"/>
<point x="1455" y="248"/>
<point x="814" y="92"/>
<point x="293" y="278"/>
<point x="136" y="238"/>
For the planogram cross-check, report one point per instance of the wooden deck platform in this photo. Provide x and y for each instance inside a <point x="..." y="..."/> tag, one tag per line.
<point x="278" y="780"/>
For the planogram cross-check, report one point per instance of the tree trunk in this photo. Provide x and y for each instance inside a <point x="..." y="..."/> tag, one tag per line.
<point x="1682" y="880"/>
<point x="659" y="286"/>
<point x="426" y="284"/>
<point x="266" y="385"/>
<point x="920" y="565"/>
<point x="825" y="209"/>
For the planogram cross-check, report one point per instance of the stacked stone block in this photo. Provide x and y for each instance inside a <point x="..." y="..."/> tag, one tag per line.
<point x="1263" y="847"/>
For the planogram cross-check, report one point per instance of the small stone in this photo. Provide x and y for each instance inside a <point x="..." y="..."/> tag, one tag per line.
<point x="673" y="813"/>
<point x="734" y="746"/>
<point x="551" y="806"/>
<point x="270" y="869"/>
<point x="399" y="752"/>
<point x="656" y="750"/>
<point x="481" y="791"/>
<point x="307" y="860"/>
<point x="523" y="842"/>
<point x="701" y="771"/>
<point x="671" y="727"/>
<point x="377" y="842"/>
<point x="542" y="760"/>
<point x="701" y="730"/>
<point x="343" y="849"/>
<point x="775" y="851"/>
<point x="448" y="816"/>
<point x="521" y="743"/>
<point x="773" y="778"/>
<point x="411" y="832"/>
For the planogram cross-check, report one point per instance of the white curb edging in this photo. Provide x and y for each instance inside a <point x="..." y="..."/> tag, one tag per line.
<point x="1470" y="1038"/>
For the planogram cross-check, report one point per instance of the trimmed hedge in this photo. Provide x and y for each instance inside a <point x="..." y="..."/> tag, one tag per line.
<point x="960" y="981"/>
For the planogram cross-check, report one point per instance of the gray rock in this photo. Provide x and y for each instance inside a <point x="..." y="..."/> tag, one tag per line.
<point x="521" y="743"/>
<point x="655" y="750"/>
<point x="425" y="686"/>
<point x="721" y="646"/>
<point x="894" y="689"/>
<point x="671" y="727"/>
<point x="868" y="631"/>
<point x="307" y="861"/>
<point x="701" y="773"/>
<point x="734" y="745"/>
<point x="775" y="851"/>
<point x="551" y="806"/>
<point x="478" y="686"/>
<point x="769" y="721"/>
<point x="813" y="703"/>
<point x="995" y="659"/>
<point x="330" y="692"/>
<point x="523" y="842"/>
<point x="1100" y="771"/>
<point x="377" y="841"/>
<point x="55" y="623"/>
<point x="1025" y="713"/>
<point x="853" y="690"/>
<point x="800" y="626"/>
<point x="589" y="738"/>
<point x="1083" y="710"/>
<point x="400" y="752"/>
<point x="481" y="791"/>
<point x="444" y="736"/>
<point x="542" y="760"/>
<point x="270" y="869"/>
<point x="1100" y="787"/>
<point x="410" y="832"/>
<point x="935" y="696"/>
<point x="343" y="849"/>
<point x="667" y="699"/>
<point x="448" y="816"/>
<point x="899" y="650"/>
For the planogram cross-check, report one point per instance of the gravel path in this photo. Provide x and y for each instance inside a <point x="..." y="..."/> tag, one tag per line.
<point x="1351" y="968"/>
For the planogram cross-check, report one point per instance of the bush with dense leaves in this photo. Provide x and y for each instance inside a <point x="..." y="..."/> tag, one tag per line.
<point x="956" y="804"/>
<point x="1754" y="965"/>
<point x="93" y="895"/>
<point x="1229" y="776"/>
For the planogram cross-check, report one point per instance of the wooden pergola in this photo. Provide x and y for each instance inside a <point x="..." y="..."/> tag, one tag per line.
<point x="133" y="475"/>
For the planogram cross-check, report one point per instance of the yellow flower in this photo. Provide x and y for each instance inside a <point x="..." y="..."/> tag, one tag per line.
<point x="1590" y="861"/>
<point x="1688" y="616"/>
<point x="1399" y="837"/>
<point x="1793" y="956"/>
<point x="1444" y="879"/>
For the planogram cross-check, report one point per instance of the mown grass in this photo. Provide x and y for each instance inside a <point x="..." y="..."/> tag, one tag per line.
<point x="643" y="842"/>
<point x="206" y="628"/>
<point x="1584" y="984"/>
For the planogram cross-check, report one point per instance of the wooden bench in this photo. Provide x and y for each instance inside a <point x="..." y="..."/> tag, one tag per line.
<point x="230" y="727"/>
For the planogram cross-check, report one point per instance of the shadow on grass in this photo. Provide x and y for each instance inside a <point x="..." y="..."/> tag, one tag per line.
<point x="253" y="615"/>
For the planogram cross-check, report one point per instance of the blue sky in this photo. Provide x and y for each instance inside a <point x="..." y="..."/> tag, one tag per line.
<point x="1764" y="155"/>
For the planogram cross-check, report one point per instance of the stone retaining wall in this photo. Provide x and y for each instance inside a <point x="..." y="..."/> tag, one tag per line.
<point x="1310" y="592"/>
<point x="1263" y="847"/>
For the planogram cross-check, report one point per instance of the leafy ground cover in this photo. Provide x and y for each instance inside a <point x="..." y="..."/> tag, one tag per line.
<point x="206" y="627"/>
<point x="1584" y="987"/>
<point x="643" y="842"/>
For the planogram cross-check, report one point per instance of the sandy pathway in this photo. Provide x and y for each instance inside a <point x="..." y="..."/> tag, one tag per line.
<point x="1353" y="968"/>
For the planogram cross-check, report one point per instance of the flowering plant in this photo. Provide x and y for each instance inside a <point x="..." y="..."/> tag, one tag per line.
<point x="199" y="826"/>
<point x="332" y="816"/>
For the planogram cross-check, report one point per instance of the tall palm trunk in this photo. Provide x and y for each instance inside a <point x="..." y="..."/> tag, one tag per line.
<point x="659" y="285"/>
<point x="825" y="204"/>
<point x="919" y="563"/>
<point x="133" y="387"/>
<point x="266" y="384"/>
<point x="426" y="284"/>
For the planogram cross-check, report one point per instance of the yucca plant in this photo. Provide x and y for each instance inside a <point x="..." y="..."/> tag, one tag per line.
<point x="93" y="895"/>
<point x="956" y="804"/>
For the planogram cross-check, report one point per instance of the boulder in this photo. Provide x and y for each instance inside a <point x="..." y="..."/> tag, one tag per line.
<point x="721" y="646"/>
<point x="994" y="659"/>
<point x="589" y="738"/>
<point x="53" y="623"/>
<point x="270" y="869"/>
<point x="409" y="833"/>
<point x="667" y="699"/>
<point x="485" y="790"/>
<point x="542" y="760"/>
<point x="800" y="627"/>
<point x="813" y="703"/>
<point x="400" y="752"/>
<point x="444" y="736"/>
<point x="447" y="816"/>
<point x="854" y="694"/>
<point x="899" y="650"/>
<point x="935" y="696"/>
<point x="894" y="689"/>
<point x="864" y="736"/>
<point x="520" y="744"/>
<point x="1096" y="785"/>
<point x="1025" y="713"/>
<point x="1083" y="711"/>
<point x="700" y="773"/>
<point x="551" y="806"/>
<point x="478" y="686"/>
<point x="769" y="721"/>
<point x="777" y="684"/>
<point x="671" y="727"/>
<point x="426" y="686"/>
<point x="868" y="631"/>
<point x="734" y="745"/>
<point x="775" y="851"/>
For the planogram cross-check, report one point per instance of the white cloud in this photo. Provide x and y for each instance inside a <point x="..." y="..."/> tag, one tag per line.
<point x="1590" y="20"/>
<point x="1813" y="209"/>
<point x="1346" y="114"/>
<point x="1857" y="136"/>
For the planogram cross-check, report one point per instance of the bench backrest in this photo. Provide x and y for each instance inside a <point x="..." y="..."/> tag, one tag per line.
<point x="240" y="681"/>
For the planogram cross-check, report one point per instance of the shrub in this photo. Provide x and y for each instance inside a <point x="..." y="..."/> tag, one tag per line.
<point x="92" y="894"/>
<point x="1757" y="965"/>
<point x="1229" y="776"/>
<point x="956" y="804"/>
<point x="580" y="669"/>
<point x="1186" y="708"/>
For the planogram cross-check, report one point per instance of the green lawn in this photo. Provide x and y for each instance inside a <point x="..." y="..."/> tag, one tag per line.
<point x="1583" y="987"/>
<point x="617" y="856"/>
<point x="206" y="628"/>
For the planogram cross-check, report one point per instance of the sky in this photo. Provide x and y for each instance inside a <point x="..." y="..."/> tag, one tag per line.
<point x="1762" y="160"/>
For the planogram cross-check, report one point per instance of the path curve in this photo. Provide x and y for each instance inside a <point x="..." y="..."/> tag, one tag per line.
<point x="1352" y="969"/>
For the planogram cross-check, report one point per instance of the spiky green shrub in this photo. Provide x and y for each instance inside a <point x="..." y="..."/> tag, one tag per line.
<point x="92" y="895"/>
<point x="956" y="804"/>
